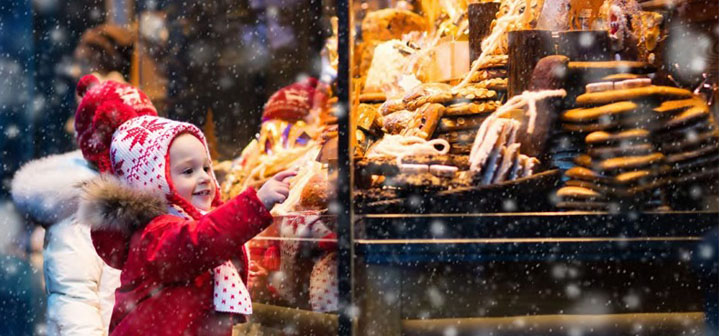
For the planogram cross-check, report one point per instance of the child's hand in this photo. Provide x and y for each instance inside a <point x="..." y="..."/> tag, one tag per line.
<point x="276" y="189"/>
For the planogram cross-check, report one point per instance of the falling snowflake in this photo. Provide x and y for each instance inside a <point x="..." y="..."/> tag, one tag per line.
<point x="572" y="291"/>
<point x="58" y="35"/>
<point x="12" y="131"/>
<point x="632" y="301"/>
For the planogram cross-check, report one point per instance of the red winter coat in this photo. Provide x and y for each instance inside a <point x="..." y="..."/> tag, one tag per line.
<point x="166" y="261"/>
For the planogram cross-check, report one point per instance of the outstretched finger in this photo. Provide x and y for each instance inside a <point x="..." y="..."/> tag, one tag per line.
<point x="281" y="176"/>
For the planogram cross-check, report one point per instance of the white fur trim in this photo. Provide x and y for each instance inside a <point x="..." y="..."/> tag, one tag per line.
<point x="48" y="188"/>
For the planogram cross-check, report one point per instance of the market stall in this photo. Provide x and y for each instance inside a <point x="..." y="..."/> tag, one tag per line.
<point x="535" y="185"/>
<point x="506" y="167"/>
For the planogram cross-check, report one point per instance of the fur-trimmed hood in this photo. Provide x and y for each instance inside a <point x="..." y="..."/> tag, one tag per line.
<point x="107" y="204"/>
<point x="48" y="189"/>
<point x="114" y="211"/>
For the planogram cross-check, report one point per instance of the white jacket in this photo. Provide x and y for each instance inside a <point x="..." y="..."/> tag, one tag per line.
<point x="81" y="287"/>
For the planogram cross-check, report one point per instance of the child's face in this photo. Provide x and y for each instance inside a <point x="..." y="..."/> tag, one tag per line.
<point x="190" y="171"/>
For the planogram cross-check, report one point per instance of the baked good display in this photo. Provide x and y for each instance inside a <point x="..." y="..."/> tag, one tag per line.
<point x="688" y="137"/>
<point x="378" y="27"/>
<point x="621" y="120"/>
<point x="639" y="142"/>
<point x="620" y="167"/>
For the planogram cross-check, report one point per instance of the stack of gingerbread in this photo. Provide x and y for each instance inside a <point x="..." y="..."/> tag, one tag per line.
<point x="621" y="167"/>
<point x="491" y="74"/>
<point x="431" y="129"/>
<point x="687" y="136"/>
<point x="436" y="110"/>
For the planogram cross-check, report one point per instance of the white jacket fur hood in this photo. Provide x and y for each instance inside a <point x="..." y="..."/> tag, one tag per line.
<point x="48" y="189"/>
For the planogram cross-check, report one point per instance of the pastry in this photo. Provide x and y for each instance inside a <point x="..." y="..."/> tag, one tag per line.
<point x="368" y="117"/>
<point x="314" y="195"/>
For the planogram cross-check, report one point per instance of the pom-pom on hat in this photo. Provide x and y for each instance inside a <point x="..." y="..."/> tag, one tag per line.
<point x="292" y="102"/>
<point x="104" y="107"/>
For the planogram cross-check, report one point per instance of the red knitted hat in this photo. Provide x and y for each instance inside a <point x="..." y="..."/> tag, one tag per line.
<point x="292" y="102"/>
<point x="104" y="107"/>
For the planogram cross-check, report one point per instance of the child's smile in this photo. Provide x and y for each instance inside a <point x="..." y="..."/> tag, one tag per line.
<point x="190" y="171"/>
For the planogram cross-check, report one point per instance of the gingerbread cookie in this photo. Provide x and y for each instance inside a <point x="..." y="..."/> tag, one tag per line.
<point x="622" y="77"/>
<point x="489" y="74"/>
<point x="631" y="136"/>
<point x="619" y="190"/>
<point x="470" y="108"/>
<point x="470" y="93"/>
<point x="626" y="163"/>
<point x="611" y="152"/>
<point x="491" y="61"/>
<point x="395" y="122"/>
<point x="579" y="193"/>
<point x="684" y="133"/>
<point x="614" y="67"/>
<point x="689" y="155"/>
<point x="459" y="137"/>
<point x="585" y="115"/>
<point x="425" y="121"/>
<point x="451" y="124"/>
<point x="372" y="97"/>
<point x="659" y="92"/>
<point x="626" y="178"/>
<point x="690" y="141"/>
<point x="696" y="164"/>
<point x="427" y="93"/>
<point x="689" y="116"/>
<point x="460" y="148"/>
<point x="495" y="84"/>
<point x="672" y="107"/>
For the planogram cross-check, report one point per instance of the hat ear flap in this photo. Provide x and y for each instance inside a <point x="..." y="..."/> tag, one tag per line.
<point x="95" y="143"/>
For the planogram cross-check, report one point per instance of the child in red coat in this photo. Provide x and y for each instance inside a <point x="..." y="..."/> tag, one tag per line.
<point x="156" y="214"/>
